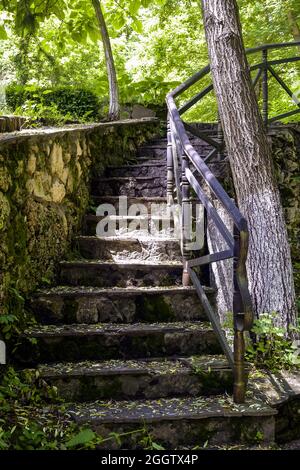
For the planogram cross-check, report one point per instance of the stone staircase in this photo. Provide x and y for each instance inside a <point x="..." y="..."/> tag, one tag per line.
<point x="125" y="344"/>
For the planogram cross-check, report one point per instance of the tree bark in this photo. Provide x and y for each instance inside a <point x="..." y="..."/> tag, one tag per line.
<point x="221" y="272"/>
<point x="114" y="105"/>
<point x="269" y="260"/>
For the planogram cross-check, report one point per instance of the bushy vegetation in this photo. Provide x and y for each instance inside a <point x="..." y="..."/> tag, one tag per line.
<point x="155" y="44"/>
<point x="72" y="102"/>
<point x="272" y="348"/>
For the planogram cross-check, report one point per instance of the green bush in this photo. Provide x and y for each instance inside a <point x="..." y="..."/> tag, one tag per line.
<point x="273" y="349"/>
<point x="72" y="101"/>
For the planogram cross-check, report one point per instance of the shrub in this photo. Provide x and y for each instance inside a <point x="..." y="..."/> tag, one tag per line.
<point x="273" y="349"/>
<point x="68" y="100"/>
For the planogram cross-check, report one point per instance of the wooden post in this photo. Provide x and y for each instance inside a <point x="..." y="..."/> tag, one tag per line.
<point x="170" y="166"/>
<point x="239" y="387"/>
<point x="186" y="214"/>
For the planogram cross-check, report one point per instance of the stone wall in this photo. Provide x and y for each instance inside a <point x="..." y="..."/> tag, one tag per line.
<point x="286" y="152"/>
<point x="44" y="192"/>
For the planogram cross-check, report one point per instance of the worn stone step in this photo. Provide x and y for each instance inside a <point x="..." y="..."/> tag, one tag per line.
<point x="120" y="305"/>
<point x="154" y="159"/>
<point x="128" y="248"/>
<point x="146" y="202"/>
<point x="159" y="149"/>
<point x="179" y="422"/>
<point x="119" y="379"/>
<point x="120" y="274"/>
<point x="103" y="341"/>
<point x="133" y="226"/>
<point x="147" y="168"/>
<point x="138" y="186"/>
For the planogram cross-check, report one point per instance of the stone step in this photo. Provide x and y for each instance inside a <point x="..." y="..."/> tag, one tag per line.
<point x="101" y="341"/>
<point x="151" y="204"/>
<point x="120" y="305"/>
<point x="159" y="149"/>
<point x="139" y="186"/>
<point x="126" y="248"/>
<point x="154" y="159"/>
<point x="139" y="379"/>
<point x="147" y="202"/>
<point x="121" y="274"/>
<point x="147" y="168"/>
<point x="179" y="422"/>
<point x="131" y="226"/>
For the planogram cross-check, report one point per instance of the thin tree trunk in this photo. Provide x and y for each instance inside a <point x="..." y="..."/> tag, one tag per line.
<point x="294" y="27"/>
<point x="114" y="106"/>
<point x="269" y="260"/>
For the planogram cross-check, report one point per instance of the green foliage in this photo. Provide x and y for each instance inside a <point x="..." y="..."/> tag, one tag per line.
<point x="15" y="319"/>
<point x="63" y="101"/>
<point x="26" y="387"/>
<point x="273" y="349"/>
<point x="33" y="418"/>
<point x="25" y="426"/>
<point x="155" y="45"/>
<point x="83" y="437"/>
<point x="147" y="441"/>
<point x="297" y="284"/>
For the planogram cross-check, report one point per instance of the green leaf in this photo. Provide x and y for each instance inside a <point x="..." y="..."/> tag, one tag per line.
<point x="134" y="6"/>
<point x="137" y="26"/>
<point x="118" y="21"/>
<point x="83" y="437"/>
<point x="93" y="34"/>
<point x="157" y="446"/>
<point x="3" y="33"/>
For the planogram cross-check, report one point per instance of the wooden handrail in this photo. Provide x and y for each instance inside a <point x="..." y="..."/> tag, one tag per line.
<point x="182" y="154"/>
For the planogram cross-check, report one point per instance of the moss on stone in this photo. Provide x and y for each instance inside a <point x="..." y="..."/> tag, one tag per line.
<point x="154" y="308"/>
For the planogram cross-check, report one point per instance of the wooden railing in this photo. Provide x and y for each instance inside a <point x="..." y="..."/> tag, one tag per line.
<point x="184" y="168"/>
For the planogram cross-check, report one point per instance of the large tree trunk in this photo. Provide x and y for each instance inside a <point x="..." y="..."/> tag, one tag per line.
<point x="269" y="260"/>
<point x="114" y="106"/>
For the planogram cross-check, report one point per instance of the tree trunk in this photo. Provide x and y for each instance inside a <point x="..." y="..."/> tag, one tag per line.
<point x="294" y="27"/>
<point x="222" y="272"/>
<point x="269" y="260"/>
<point x="114" y="106"/>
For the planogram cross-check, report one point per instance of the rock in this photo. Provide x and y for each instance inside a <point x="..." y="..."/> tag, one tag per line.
<point x="58" y="192"/>
<point x="40" y="185"/>
<point x="31" y="165"/>
<point x="56" y="160"/>
<point x="139" y="112"/>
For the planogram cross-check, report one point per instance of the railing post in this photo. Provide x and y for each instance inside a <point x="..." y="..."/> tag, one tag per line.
<point x="265" y="110"/>
<point x="239" y="387"/>
<point x="185" y="191"/>
<point x="170" y="166"/>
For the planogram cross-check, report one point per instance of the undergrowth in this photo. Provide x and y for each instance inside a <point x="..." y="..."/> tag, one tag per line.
<point x="273" y="348"/>
<point x="34" y="417"/>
